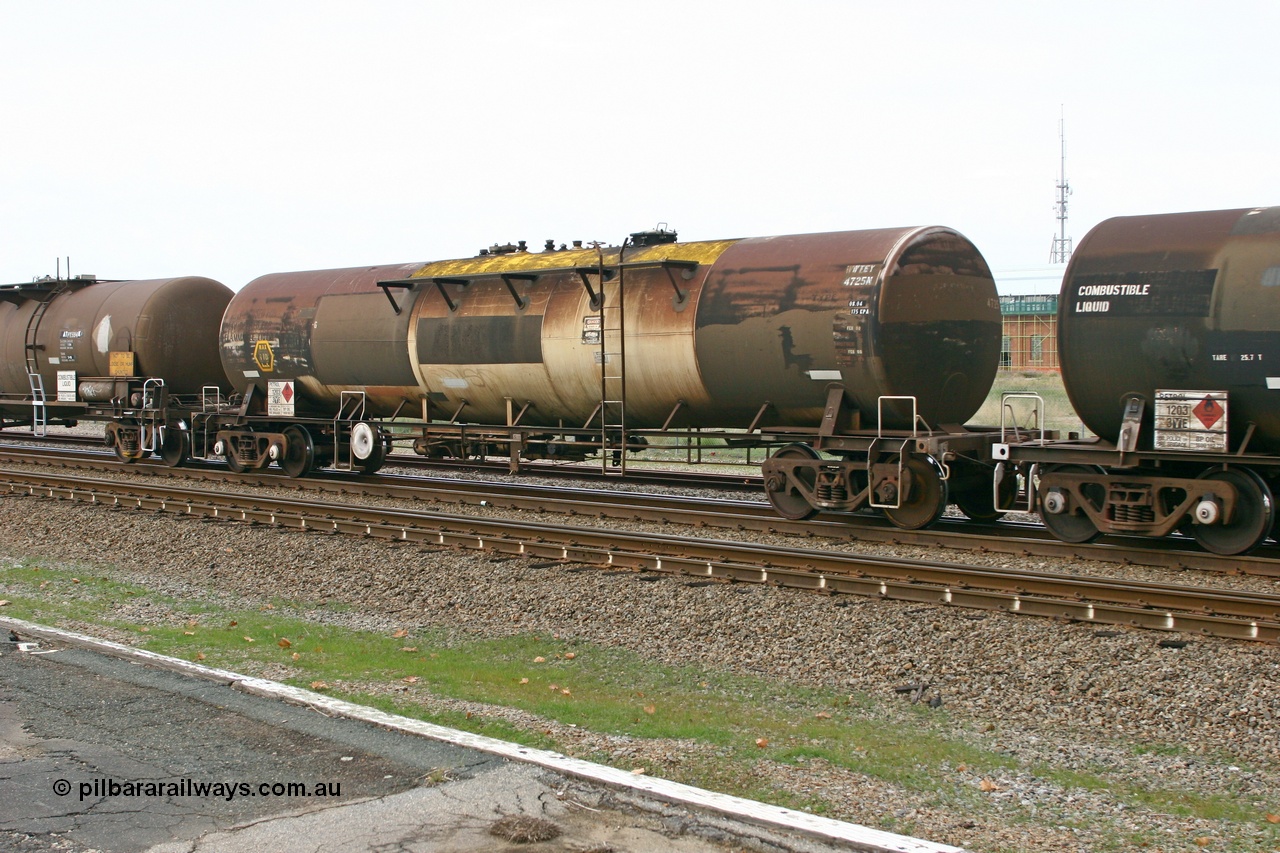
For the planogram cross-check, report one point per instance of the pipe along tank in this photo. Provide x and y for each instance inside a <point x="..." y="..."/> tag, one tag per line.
<point x="704" y="332"/>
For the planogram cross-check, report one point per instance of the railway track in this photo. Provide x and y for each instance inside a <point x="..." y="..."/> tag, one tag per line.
<point x="1102" y="601"/>
<point x="727" y="482"/>
<point x="1009" y="537"/>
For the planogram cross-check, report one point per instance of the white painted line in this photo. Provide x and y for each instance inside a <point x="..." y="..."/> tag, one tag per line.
<point x="863" y="838"/>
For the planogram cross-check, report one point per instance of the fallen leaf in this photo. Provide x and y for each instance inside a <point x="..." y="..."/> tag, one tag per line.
<point x="822" y="715"/>
<point x="1273" y="818"/>
<point x="75" y="580"/>
<point x="4" y="602"/>
<point x="268" y="606"/>
<point x="199" y="655"/>
<point x="649" y="709"/>
<point x="409" y="649"/>
<point x="144" y="629"/>
<point x="555" y="687"/>
<point x="524" y="681"/>
<point x="566" y="692"/>
<point x="189" y="633"/>
<point x="539" y="659"/>
<point x="570" y="655"/>
<point x="249" y="640"/>
<point x="762" y="742"/>
<point x="1203" y="841"/>
<point x="233" y="623"/>
<point x="296" y="656"/>
<point x="319" y="685"/>
<point x="283" y="643"/>
<point x="988" y="786"/>
<point x="191" y="623"/>
<point x="410" y="679"/>
<point x="403" y="632"/>
<point x="638" y="771"/>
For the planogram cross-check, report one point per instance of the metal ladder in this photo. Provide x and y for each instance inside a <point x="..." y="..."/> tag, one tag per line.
<point x="151" y="435"/>
<point x="39" y="409"/>
<point x="33" y="325"/>
<point x="351" y="411"/>
<point x="612" y="357"/>
<point x="39" y="413"/>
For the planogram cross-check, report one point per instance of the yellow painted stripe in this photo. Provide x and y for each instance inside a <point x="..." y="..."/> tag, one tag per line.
<point x="705" y="252"/>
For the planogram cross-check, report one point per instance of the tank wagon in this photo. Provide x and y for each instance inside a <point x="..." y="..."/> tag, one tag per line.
<point x="1169" y="340"/>
<point x="862" y="352"/>
<point x="140" y="355"/>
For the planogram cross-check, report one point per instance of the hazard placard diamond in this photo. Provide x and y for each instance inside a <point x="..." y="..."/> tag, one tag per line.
<point x="1208" y="411"/>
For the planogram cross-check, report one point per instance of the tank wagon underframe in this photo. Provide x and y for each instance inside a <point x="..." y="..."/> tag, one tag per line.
<point x="1225" y="503"/>
<point x="1223" y="497"/>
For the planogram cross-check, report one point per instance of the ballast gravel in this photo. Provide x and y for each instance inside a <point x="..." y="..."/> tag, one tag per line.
<point x="1197" y="715"/>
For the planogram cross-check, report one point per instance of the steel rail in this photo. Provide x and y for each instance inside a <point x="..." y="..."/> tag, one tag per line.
<point x="1017" y="538"/>
<point x="1091" y="600"/>
<point x="729" y="482"/>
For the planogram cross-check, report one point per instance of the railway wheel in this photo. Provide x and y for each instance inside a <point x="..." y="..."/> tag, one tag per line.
<point x="926" y="498"/>
<point x="368" y="447"/>
<point x="1254" y="514"/>
<point x="375" y="460"/>
<point x="786" y="501"/>
<point x="1075" y="527"/>
<point x="299" y="452"/>
<point x="175" y="449"/>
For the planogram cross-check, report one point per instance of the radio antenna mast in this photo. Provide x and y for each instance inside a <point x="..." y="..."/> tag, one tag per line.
<point x="1061" y="250"/>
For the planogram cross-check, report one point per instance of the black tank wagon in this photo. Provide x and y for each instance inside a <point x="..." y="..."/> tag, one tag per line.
<point x="139" y="355"/>
<point x="1169" y="340"/>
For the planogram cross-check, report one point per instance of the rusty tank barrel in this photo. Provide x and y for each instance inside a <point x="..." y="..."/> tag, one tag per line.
<point x="169" y="325"/>
<point x="705" y="333"/>
<point x="1182" y="301"/>
<point x="327" y="330"/>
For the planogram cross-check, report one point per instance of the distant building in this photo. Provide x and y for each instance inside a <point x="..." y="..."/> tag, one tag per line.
<point x="1030" y="333"/>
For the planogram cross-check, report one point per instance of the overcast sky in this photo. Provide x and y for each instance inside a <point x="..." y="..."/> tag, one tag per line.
<point x="232" y="139"/>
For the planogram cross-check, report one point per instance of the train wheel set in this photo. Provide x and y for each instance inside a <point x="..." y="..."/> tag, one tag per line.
<point x="856" y="357"/>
